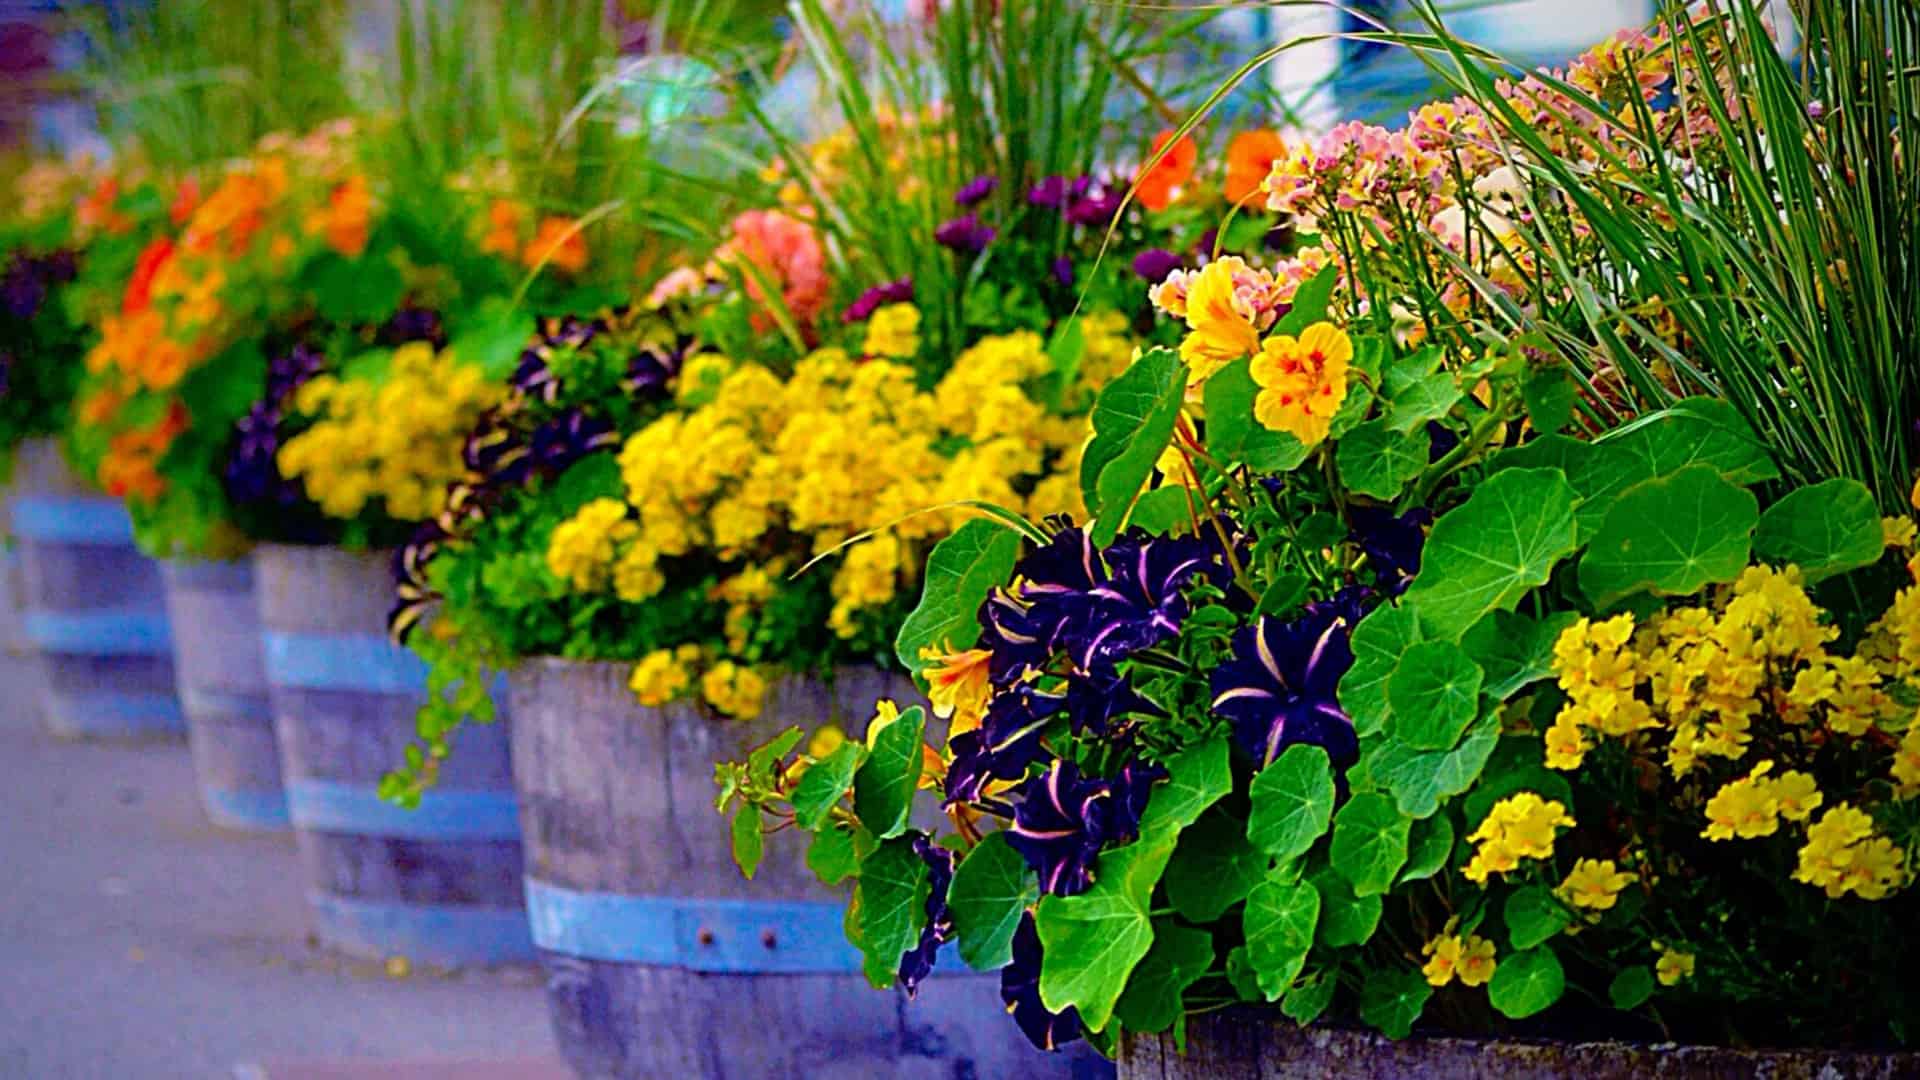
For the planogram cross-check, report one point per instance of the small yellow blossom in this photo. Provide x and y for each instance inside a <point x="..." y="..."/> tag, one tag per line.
<point x="1673" y="966"/>
<point x="658" y="678"/>
<point x="1303" y="381"/>
<point x="957" y="686"/>
<point x="1746" y="808"/>
<point x="1906" y="763"/>
<point x="894" y="332"/>
<point x="583" y="549"/>
<point x="1898" y="532"/>
<point x="734" y="689"/>
<point x="1594" y="884"/>
<point x="1520" y="826"/>
<point x="1451" y="956"/>
<point x="1843" y="855"/>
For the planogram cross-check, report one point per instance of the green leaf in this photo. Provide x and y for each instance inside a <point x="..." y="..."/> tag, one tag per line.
<point x="1378" y="461"/>
<point x="1196" y="778"/>
<point x="1428" y="848"/>
<point x="1671" y="535"/>
<point x="992" y="887"/>
<point x="1825" y="529"/>
<point x="1370" y="842"/>
<point x="1549" y="396"/>
<point x="1526" y="983"/>
<point x="1164" y="511"/>
<point x="1292" y="802"/>
<point x="1132" y="423"/>
<point x="1213" y="867"/>
<point x="1378" y="643"/>
<point x="1420" y="779"/>
<point x="363" y="290"/>
<point x="1631" y="988"/>
<point x="1417" y="392"/>
<point x="1345" y="919"/>
<point x="1514" y="651"/>
<point x="748" y="843"/>
<point x="1489" y="551"/>
<point x="1697" y="430"/>
<point x="1310" y="302"/>
<point x="1279" y="922"/>
<point x="894" y="884"/>
<point x="834" y="855"/>
<point x="883" y="788"/>
<point x="493" y="337"/>
<point x="1533" y="916"/>
<point x="961" y="570"/>
<point x="1232" y="433"/>
<point x="1309" y="997"/>
<point x="762" y="759"/>
<point x="823" y="783"/>
<point x="1434" y="695"/>
<point x="1392" y="999"/>
<point x="1240" y="975"/>
<point x="1091" y="942"/>
<point x="1180" y="956"/>
<point x="1282" y="594"/>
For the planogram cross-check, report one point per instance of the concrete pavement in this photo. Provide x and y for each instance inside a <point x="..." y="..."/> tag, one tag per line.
<point x="138" y="941"/>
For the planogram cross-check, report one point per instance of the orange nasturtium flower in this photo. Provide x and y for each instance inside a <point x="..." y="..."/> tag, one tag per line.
<point x="558" y="243"/>
<point x="1157" y="183"/>
<point x="347" y="217"/>
<point x="503" y="229"/>
<point x="1250" y="157"/>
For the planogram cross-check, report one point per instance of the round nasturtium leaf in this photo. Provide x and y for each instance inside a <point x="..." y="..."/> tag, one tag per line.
<point x="1526" y="982"/>
<point x="1434" y="694"/>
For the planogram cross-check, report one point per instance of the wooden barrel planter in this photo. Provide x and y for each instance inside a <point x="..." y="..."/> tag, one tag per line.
<point x="93" y="607"/>
<point x="1240" y="1046"/>
<point x="439" y="884"/>
<point x="661" y="960"/>
<point x="222" y="681"/>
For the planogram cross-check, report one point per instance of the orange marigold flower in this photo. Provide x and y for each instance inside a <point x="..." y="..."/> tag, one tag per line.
<point x="503" y="229"/>
<point x="1250" y="157"/>
<point x="559" y="243"/>
<point x="1158" y="181"/>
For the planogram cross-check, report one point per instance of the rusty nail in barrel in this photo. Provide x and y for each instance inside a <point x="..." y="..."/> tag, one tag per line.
<point x="705" y="936"/>
<point x="767" y="938"/>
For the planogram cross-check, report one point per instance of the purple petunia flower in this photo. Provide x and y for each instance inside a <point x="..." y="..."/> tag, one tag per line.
<point x="23" y="288"/>
<point x="413" y="324"/>
<point x="975" y="191"/>
<point x="1154" y="264"/>
<point x="965" y="234"/>
<point x="1063" y="270"/>
<point x="1006" y="743"/>
<point x="1392" y="543"/>
<point x="1064" y="820"/>
<point x="917" y="963"/>
<point x="891" y="292"/>
<point x="1280" y="687"/>
<point x="1020" y="990"/>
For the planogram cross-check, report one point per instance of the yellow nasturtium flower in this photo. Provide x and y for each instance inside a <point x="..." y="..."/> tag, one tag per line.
<point x="1303" y="381"/>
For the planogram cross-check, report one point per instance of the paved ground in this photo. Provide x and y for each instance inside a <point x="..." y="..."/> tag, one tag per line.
<point x="138" y="941"/>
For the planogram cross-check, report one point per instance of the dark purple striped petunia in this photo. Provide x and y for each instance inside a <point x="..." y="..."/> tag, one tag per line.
<point x="1005" y="745"/>
<point x="1064" y="820"/>
<point x="917" y="963"/>
<point x="1280" y="687"/>
<point x="1392" y="544"/>
<point x="1020" y="990"/>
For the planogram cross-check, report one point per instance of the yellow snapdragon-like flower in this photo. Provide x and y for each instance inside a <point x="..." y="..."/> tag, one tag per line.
<point x="1746" y="808"/>
<point x="1843" y="855"/>
<point x="1673" y="965"/>
<point x="1594" y="884"/>
<point x="1469" y="958"/>
<point x="893" y="331"/>
<point x="1520" y="826"/>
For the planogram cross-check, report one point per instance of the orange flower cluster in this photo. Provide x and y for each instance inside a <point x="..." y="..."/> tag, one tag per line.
<point x="131" y="468"/>
<point x="558" y="241"/>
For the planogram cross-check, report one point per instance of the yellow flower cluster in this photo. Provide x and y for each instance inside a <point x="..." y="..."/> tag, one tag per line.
<point x="396" y="438"/>
<point x="1468" y="958"/>
<point x="600" y="547"/>
<point x="1520" y="826"/>
<point x="1843" y="855"/>
<point x="841" y="449"/>
<point x="1707" y="674"/>
<point x="1673" y="965"/>
<point x="735" y="690"/>
<point x="661" y="675"/>
<point x="1753" y="805"/>
<point x="893" y="332"/>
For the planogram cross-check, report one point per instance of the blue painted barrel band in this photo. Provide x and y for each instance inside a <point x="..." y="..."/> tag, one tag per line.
<point x="227" y="705"/>
<point x="738" y="937"/>
<point x="329" y="806"/>
<point x="235" y="576"/>
<point x="79" y="519"/>
<point x="100" y="631"/>
<point x="254" y="809"/>
<point x="435" y="933"/>
<point x="113" y="713"/>
<point x="366" y="663"/>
